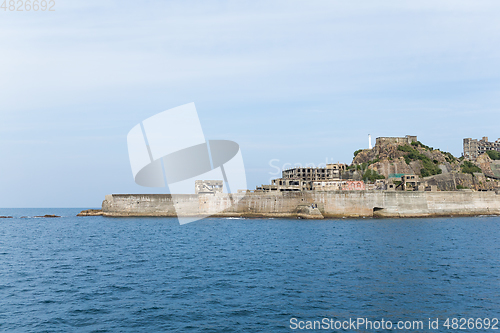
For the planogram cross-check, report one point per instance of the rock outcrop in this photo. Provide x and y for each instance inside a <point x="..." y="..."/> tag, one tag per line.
<point x="451" y="181"/>
<point x="489" y="167"/>
<point x="388" y="158"/>
<point x="90" y="212"/>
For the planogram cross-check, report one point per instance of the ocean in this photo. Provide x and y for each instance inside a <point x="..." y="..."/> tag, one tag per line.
<point x="96" y="274"/>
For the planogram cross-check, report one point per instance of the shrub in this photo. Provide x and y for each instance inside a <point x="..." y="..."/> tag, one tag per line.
<point x="449" y="157"/>
<point x="430" y="167"/>
<point x="357" y="152"/>
<point x="372" y="175"/>
<point x="406" y="148"/>
<point x="469" y="167"/>
<point x="420" y="144"/>
<point x="493" y="154"/>
<point x="424" y="173"/>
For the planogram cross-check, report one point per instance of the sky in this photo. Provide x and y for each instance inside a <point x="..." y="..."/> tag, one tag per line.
<point x="292" y="82"/>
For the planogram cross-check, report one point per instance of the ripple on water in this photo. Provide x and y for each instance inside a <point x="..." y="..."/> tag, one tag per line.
<point x="239" y="275"/>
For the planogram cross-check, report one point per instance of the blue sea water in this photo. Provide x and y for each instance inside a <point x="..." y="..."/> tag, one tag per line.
<point x="95" y="274"/>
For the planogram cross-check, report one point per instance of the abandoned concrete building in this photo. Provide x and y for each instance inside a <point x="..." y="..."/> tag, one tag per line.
<point x="285" y="185"/>
<point x="473" y="148"/>
<point x="401" y="183"/>
<point x="339" y="185"/>
<point x="408" y="139"/>
<point x="410" y="183"/>
<point x="330" y="172"/>
<point x="312" y="179"/>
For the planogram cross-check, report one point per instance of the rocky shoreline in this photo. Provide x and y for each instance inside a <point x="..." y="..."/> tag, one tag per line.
<point x="90" y="212"/>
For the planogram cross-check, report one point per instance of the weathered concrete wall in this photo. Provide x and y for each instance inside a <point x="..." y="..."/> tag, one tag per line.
<point x="303" y="204"/>
<point x="149" y="205"/>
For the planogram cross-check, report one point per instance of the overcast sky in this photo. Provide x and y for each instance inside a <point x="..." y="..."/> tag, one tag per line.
<point x="290" y="81"/>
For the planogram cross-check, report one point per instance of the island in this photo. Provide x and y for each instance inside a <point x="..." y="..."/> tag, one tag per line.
<point x="398" y="177"/>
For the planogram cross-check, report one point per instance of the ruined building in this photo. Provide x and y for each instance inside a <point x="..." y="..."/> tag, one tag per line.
<point x="408" y="139"/>
<point x="473" y="147"/>
<point x="208" y="186"/>
<point x="330" y="172"/>
<point x="308" y="179"/>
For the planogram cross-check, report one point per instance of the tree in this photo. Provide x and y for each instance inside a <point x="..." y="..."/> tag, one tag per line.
<point x="372" y="175"/>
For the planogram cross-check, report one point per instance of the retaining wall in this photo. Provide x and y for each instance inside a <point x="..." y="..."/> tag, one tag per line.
<point x="303" y="204"/>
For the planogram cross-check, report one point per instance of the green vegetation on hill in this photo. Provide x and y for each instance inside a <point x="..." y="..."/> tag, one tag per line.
<point x="449" y="157"/>
<point x="493" y="154"/>
<point x="371" y="175"/>
<point x="469" y="167"/>
<point x="420" y="144"/>
<point x="357" y="152"/>
<point x="430" y="168"/>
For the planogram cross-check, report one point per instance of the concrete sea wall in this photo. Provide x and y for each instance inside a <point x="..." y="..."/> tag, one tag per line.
<point x="308" y="204"/>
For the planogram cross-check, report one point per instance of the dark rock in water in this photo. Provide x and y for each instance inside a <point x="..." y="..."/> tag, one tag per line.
<point x="48" y="215"/>
<point x="90" y="212"/>
<point x="5" y="217"/>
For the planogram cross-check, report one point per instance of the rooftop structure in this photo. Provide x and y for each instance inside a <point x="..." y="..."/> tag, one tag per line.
<point x="408" y="139"/>
<point x="208" y="186"/>
<point x="473" y="147"/>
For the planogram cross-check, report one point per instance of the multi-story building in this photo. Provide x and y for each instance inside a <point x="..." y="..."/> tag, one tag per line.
<point x="307" y="179"/>
<point x="330" y="172"/>
<point x="473" y="148"/>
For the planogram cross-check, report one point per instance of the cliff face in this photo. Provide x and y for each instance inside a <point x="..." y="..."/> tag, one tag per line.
<point x="451" y="181"/>
<point x="387" y="167"/>
<point x="489" y="167"/>
<point x="380" y="151"/>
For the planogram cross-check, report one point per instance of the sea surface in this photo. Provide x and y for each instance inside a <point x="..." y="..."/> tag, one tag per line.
<point x="95" y="274"/>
